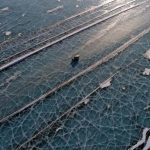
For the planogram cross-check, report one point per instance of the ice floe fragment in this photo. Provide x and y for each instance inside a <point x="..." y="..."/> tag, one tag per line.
<point x="7" y="33"/>
<point x="105" y="84"/>
<point x="147" y="55"/>
<point x="4" y="9"/>
<point x="146" y="72"/>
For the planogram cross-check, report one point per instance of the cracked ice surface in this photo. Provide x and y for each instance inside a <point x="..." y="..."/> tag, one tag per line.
<point x="102" y="102"/>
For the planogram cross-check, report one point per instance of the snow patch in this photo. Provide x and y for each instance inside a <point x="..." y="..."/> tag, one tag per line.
<point x="4" y="9"/>
<point x="146" y="72"/>
<point x="7" y="33"/>
<point x="106" y="84"/>
<point x="147" y="55"/>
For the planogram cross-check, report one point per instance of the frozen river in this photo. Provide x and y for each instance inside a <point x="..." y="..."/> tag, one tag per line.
<point x="101" y="102"/>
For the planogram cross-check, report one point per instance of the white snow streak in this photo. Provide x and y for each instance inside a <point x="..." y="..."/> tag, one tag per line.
<point x="54" y="9"/>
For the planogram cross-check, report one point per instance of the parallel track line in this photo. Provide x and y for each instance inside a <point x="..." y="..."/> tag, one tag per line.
<point x="21" y="58"/>
<point x="87" y="70"/>
<point x="53" y="126"/>
<point x="63" y="21"/>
